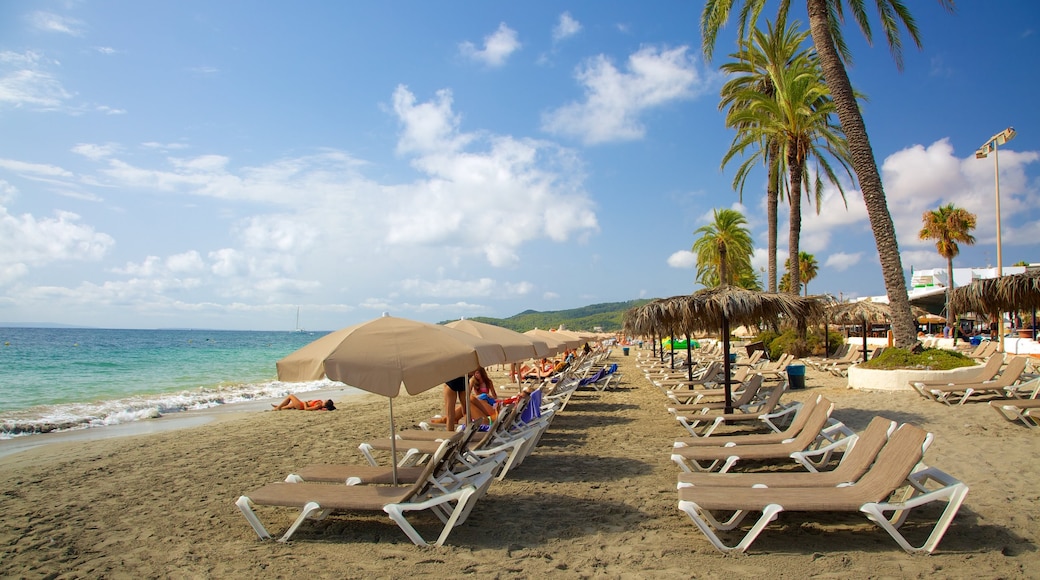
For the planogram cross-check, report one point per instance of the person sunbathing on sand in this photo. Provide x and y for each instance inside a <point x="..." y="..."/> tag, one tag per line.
<point x="294" y="402"/>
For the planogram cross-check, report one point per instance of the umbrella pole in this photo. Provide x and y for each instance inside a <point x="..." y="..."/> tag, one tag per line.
<point x="393" y="441"/>
<point x="671" y="349"/>
<point x="864" y="340"/>
<point x="725" y="364"/>
<point x="826" y="340"/>
<point x="689" y="359"/>
<point x="467" y="401"/>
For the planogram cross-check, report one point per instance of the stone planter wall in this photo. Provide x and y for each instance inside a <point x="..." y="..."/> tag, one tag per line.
<point x="899" y="380"/>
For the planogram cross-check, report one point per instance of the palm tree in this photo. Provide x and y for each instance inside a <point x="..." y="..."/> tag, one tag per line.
<point x="752" y="70"/>
<point x="825" y="19"/>
<point x="808" y="267"/>
<point x="948" y="226"/>
<point x="798" y="115"/>
<point x="724" y="248"/>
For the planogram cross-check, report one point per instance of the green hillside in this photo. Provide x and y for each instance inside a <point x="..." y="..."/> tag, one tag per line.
<point x="607" y="316"/>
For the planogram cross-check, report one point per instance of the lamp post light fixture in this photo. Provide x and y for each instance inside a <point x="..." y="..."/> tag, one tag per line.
<point x="983" y="152"/>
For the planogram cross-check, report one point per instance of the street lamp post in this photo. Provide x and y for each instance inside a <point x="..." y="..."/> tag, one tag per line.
<point x="984" y="151"/>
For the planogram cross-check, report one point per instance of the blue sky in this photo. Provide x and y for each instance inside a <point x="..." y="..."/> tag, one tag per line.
<point x="221" y="164"/>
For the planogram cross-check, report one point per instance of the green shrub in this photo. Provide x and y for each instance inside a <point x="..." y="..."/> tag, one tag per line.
<point x="936" y="359"/>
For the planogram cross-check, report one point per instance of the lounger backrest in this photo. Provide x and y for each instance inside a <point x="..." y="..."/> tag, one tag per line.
<point x="751" y="387"/>
<point x="857" y="460"/>
<point x="904" y="450"/>
<point x="436" y="464"/>
<point x="801" y="417"/>
<point x="814" y="423"/>
<point x="990" y="369"/>
<point x="1012" y="372"/>
<point x="774" y="399"/>
<point x="991" y="347"/>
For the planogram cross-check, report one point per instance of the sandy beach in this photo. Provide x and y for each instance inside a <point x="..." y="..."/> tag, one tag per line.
<point x="596" y="499"/>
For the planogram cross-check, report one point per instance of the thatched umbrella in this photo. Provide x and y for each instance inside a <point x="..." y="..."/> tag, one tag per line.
<point x="657" y="317"/>
<point x="720" y="307"/>
<point x="999" y="295"/>
<point x="862" y="312"/>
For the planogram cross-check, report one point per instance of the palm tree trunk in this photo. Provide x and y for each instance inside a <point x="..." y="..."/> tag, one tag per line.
<point x="950" y="319"/>
<point x="866" y="172"/>
<point x="772" y="199"/>
<point x="794" y="274"/>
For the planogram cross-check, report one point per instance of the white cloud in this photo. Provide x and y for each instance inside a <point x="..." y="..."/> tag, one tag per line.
<point x="450" y="288"/>
<point x="921" y="178"/>
<point x="566" y="27"/>
<point x="842" y="261"/>
<point x="315" y="226"/>
<point x="50" y="22"/>
<point x="615" y="100"/>
<point x="683" y="259"/>
<point x="497" y="47"/>
<point x="109" y="110"/>
<point x="495" y="198"/>
<point x="27" y="242"/>
<point x="33" y="170"/>
<point x="164" y="146"/>
<point x="24" y="82"/>
<point x="95" y="151"/>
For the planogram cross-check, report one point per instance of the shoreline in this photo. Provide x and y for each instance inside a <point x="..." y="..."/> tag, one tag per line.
<point x="164" y="423"/>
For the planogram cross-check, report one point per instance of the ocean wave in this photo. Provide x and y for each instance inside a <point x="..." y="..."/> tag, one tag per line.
<point x="75" y="416"/>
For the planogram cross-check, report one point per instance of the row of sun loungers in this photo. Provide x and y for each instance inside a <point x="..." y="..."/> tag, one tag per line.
<point x="816" y="464"/>
<point x="989" y="380"/>
<point x="440" y="472"/>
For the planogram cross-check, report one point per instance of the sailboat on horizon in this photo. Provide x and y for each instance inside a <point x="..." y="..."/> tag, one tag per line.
<point x="298" y="329"/>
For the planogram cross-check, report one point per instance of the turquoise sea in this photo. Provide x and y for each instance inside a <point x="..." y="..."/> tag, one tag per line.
<point x="64" y="379"/>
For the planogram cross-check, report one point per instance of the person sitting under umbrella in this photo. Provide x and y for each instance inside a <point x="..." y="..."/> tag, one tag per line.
<point x="294" y="402"/>
<point x="454" y="413"/>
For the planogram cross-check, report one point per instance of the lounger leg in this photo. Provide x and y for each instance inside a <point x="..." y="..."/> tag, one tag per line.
<point x="693" y="466"/>
<point x="246" y="507"/>
<point x="697" y="515"/>
<point x="954" y="496"/>
<point x="396" y="513"/>
<point x="310" y="511"/>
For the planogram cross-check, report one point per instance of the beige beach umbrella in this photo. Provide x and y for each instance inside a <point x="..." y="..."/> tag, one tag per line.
<point x="518" y="347"/>
<point x="556" y="343"/>
<point x="570" y="339"/>
<point x="382" y="355"/>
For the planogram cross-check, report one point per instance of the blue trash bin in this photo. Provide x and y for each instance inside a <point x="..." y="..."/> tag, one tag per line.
<point x="732" y="358"/>
<point x="796" y="376"/>
<point x="624" y="349"/>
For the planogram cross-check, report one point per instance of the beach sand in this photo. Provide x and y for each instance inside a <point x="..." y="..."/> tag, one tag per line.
<point x="597" y="498"/>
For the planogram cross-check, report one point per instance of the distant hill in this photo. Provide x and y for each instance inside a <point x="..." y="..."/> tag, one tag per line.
<point x="607" y="316"/>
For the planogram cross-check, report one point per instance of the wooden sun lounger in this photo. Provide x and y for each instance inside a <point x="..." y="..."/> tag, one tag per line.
<point x="984" y="373"/>
<point x="452" y="503"/>
<point x="1024" y="411"/>
<point x="748" y="394"/>
<point x="854" y="463"/>
<point x="958" y="393"/>
<point x="874" y="494"/>
<point x="795" y="427"/>
<point x="803" y="447"/>
<point x="704" y="424"/>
